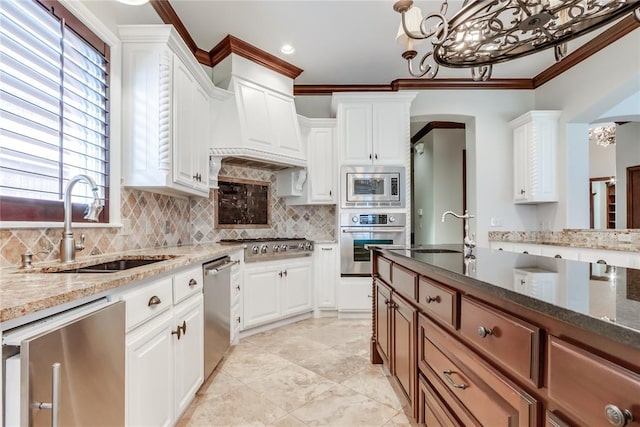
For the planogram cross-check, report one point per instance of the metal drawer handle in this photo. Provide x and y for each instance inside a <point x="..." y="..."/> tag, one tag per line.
<point x="154" y="300"/>
<point x="55" y="396"/>
<point x="484" y="332"/>
<point x="238" y="288"/>
<point x="177" y="332"/>
<point x="618" y="417"/>
<point x="431" y="299"/>
<point x="184" y="327"/>
<point x="558" y="256"/>
<point x="193" y="282"/>
<point x="447" y="375"/>
<point x="601" y="261"/>
<point x="238" y="319"/>
<point x="525" y="252"/>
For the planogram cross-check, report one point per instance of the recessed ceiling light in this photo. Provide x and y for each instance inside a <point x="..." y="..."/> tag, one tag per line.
<point x="287" y="49"/>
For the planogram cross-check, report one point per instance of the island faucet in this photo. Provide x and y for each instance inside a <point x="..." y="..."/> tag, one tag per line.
<point x="469" y="244"/>
<point x="68" y="246"/>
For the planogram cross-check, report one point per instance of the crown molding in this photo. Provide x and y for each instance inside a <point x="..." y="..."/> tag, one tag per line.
<point x="619" y="30"/>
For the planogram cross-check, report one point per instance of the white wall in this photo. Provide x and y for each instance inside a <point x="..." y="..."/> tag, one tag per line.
<point x="588" y="92"/>
<point x="628" y="154"/>
<point x="423" y="192"/>
<point x="602" y="160"/>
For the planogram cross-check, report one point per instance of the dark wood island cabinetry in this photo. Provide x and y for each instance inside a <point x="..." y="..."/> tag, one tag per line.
<point x="466" y="345"/>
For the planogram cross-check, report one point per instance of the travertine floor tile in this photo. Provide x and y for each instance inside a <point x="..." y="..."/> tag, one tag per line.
<point x="314" y="372"/>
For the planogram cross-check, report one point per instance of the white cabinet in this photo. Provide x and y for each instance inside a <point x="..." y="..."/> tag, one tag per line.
<point x="373" y="128"/>
<point x="236" y="292"/>
<point x="537" y="283"/>
<point x="354" y="295"/>
<point x="326" y="259"/>
<point x="149" y="384"/>
<point x="166" y="113"/>
<point x="320" y="187"/>
<point x="274" y="290"/>
<point x="188" y="351"/>
<point x="535" y="136"/>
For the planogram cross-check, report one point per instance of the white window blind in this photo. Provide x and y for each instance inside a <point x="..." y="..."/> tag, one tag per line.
<point x="53" y="106"/>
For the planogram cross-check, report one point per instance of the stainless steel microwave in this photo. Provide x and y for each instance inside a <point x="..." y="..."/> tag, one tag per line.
<point x="373" y="186"/>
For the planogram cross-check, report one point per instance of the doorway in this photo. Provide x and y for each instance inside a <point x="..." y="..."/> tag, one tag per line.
<point x="633" y="196"/>
<point x="602" y="203"/>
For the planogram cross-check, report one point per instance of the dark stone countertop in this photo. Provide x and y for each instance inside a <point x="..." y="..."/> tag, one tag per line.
<point x="598" y="298"/>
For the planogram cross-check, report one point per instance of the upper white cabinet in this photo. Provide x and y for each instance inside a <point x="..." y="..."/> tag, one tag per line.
<point x="535" y="136"/>
<point x="166" y="113"/>
<point x="319" y="187"/>
<point x="373" y="129"/>
<point x="259" y="121"/>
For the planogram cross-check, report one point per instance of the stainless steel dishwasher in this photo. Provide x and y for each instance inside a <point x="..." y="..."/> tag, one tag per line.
<point x="217" y="308"/>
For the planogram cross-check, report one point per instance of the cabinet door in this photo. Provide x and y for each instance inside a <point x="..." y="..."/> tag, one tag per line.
<point x="404" y="347"/>
<point x="150" y="373"/>
<point x="390" y="133"/>
<point x="202" y="141"/>
<point x="260" y="295"/>
<point x="325" y="275"/>
<point x="521" y="137"/>
<point x="183" y="124"/>
<point x="354" y="126"/>
<point x="296" y="288"/>
<point x="189" y="351"/>
<point x="322" y="173"/>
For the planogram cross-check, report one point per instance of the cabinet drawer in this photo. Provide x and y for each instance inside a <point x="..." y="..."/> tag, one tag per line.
<point x="431" y="411"/>
<point x="187" y="283"/>
<point x="438" y="301"/>
<point x="383" y="267"/>
<point x="145" y="303"/>
<point x="404" y="281"/>
<point x="512" y="342"/>
<point x="586" y="384"/>
<point x="235" y="288"/>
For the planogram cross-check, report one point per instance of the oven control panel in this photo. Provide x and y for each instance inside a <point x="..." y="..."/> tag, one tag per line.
<point x="372" y="219"/>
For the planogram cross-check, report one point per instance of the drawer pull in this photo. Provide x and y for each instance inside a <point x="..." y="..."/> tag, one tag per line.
<point x="238" y="320"/>
<point x="558" y="256"/>
<point x="154" y="300"/>
<point x="193" y="282"/>
<point x="601" y="261"/>
<point x="618" y="417"/>
<point x="432" y="299"/>
<point x="525" y="252"/>
<point x="177" y="332"/>
<point x="447" y="375"/>
<point x="484" y="332"/>
<point x="184" y="327"/>
<point x="238" y="288"/>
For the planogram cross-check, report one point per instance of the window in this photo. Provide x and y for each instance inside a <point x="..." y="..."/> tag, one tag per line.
<point x="54" y="115"/>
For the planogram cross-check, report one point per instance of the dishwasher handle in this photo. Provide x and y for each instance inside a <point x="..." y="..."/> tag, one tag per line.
<point x="208" y="271"/>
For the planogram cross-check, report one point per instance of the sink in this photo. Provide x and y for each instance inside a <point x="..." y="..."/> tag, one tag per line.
<point x="435" y="251"/>
<point x="114" y="266"/>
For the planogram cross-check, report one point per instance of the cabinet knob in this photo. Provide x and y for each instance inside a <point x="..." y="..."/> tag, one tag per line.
<point x="484" y="332"/>
<point x="285" y="273"/>
<point x="376" y="156"/>
<point x="330" y="193"/>
<point x="280" y="273"/>
<point x="238" y="288"/>
<point x="370" y="156"/>
<point x="184" y="327"/>
<point x="522" y="282"/>
<point x="154" y="300"/>
<point x="193" y="282"/>
<point x="447" y="375"/>
<point x="618" y="417"/>
<point x="522" y="191"/>
<point x="238" y="320"/>
<point x="177" y="332"/>
<point x="431" y="299"/>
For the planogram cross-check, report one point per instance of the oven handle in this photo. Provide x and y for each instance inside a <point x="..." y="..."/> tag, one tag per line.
<point x="373" y="230"/>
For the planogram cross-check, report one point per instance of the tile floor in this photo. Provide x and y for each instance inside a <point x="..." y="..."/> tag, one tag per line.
<point x="312" y="373"/>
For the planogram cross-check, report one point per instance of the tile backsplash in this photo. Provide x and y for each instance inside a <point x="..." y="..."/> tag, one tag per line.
<point x="152" y="220"/>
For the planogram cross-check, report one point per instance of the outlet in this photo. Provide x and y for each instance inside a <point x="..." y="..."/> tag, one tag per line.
<point x="496" y="222"/>
<point x="167" y="227"/>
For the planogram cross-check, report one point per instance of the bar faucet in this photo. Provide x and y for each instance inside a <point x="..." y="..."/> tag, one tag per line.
<point x="469" y="244"/>
<point x="68" y="245"/>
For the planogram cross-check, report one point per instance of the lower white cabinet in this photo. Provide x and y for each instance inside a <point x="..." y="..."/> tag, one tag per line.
<point x="274" y="290"/>
<point x="236" y="301"/>
<point x="354" y="295"/>
<point x="164" y="347"/>
<point x="326" y="259"/>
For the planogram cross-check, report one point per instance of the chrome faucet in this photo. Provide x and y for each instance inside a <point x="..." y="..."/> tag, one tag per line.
<point x="68" y="246"/>
<point x="469" y="244"/>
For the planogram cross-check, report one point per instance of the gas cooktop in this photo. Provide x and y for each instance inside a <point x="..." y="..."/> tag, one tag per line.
<point x="267" y="248"/>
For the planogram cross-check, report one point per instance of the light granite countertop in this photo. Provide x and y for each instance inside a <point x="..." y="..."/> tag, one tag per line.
<point x="24" y="292"/>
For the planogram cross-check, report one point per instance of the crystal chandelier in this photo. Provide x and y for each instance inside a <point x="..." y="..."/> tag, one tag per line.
<point x="486" y="32"/>
<point x="603" y="135"/>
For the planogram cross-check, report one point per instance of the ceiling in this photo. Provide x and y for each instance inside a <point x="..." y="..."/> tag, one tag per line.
<point x="336" y="42"/>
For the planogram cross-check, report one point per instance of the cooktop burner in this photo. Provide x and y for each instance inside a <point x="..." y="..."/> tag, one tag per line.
<point x="267" y="248"/>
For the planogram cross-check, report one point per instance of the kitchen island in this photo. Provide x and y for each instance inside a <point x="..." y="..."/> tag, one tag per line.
<point x="507" y="339"/>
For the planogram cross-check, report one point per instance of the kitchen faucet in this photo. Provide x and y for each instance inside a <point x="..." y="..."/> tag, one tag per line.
<point x="469" y="244"/>
<point x="68" y="246"/>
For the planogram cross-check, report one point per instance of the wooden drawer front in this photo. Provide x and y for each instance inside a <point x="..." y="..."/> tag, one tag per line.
<point x="511" y="341"/>
<point x="145" y="303"/>
<point x="383" y="301"/>
<point x="404" y="281"/>
<point x="585" y="384"/>
<point x="486" y="406"/>
<point x="438" y="301"/>
<point x="383" y="266"/>
<point x="431" y="411"/>
<point x="187" y="283"/>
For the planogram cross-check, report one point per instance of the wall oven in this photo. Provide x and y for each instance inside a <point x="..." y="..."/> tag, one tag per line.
<point x="373" y="186"/>
<point x="358" y="230"/>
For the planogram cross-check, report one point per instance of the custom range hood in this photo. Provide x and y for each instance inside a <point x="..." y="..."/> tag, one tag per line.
<point x="256" y="124"/>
